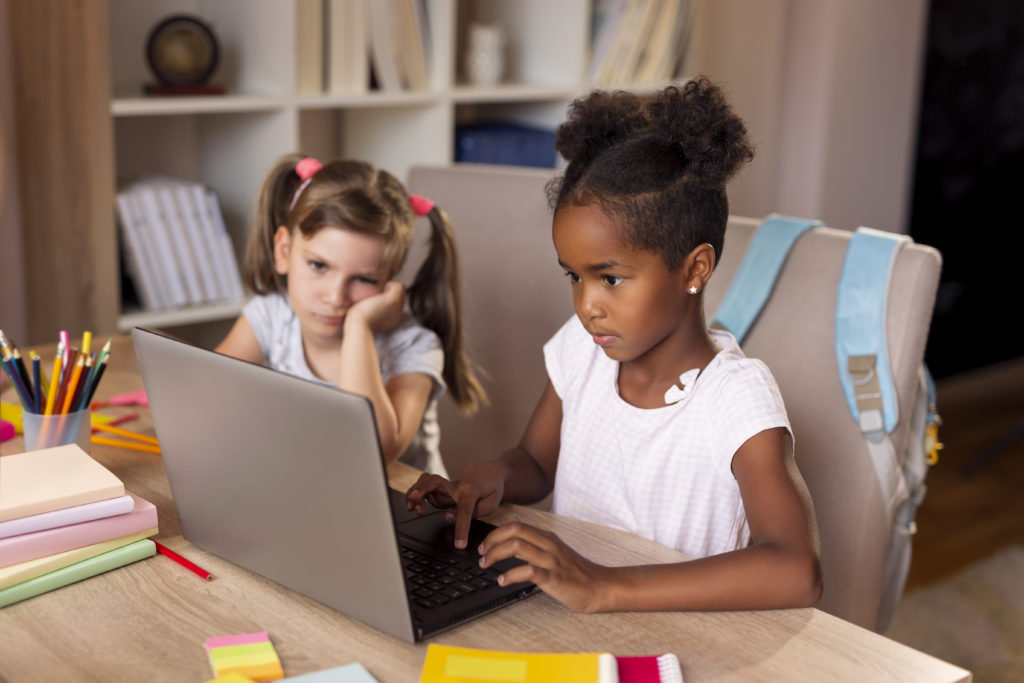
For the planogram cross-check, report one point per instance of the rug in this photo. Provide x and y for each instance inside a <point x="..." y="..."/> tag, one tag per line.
<point x="974" y="619"/>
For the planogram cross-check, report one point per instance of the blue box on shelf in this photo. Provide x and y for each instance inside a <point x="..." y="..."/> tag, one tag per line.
<point x="509" y="144"/>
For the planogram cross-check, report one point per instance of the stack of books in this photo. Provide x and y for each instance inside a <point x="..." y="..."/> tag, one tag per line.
<point x="346" y="46"/>
<point x="176" y="246"/>
<point x="639" y="42"/>
<point x="63" y="518"/>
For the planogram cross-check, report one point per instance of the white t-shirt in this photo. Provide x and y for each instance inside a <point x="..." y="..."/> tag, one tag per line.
<point x="662" y="473"/>
<point x="408" y="348"/>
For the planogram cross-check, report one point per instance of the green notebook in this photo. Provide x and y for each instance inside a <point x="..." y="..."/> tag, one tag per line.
<point x="76" y="572"/>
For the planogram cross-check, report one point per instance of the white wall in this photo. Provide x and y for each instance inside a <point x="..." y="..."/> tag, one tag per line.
<point x="829" y="90"/>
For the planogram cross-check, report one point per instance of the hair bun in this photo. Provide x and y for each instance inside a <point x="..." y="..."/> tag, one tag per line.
<point x="597" y="122"/>
<point x="698" y="120"/>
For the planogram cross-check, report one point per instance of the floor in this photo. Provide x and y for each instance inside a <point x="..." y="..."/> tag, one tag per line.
<point x="968" y="516"/>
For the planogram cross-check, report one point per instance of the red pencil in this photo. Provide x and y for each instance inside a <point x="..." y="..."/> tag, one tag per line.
<point x="191" y="566"/>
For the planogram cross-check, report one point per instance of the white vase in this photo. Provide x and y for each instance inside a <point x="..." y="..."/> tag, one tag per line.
<point x="485" y="54"/>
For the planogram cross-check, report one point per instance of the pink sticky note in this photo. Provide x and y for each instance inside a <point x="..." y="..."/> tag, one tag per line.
<point x="240" y="639"/>
<point x="7" y="431"/>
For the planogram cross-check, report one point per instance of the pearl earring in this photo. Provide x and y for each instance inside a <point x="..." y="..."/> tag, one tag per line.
<point x="693" y="289"/>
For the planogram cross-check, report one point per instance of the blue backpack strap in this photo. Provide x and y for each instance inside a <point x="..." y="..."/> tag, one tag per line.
<point x="860" y="330"/>
<point x="755" y="278"/>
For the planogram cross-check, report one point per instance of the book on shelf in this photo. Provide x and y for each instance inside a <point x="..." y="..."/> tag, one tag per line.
<point x="446" y="664"/>
<point x="346" y="59"/>
<point x="309" y="44"/>
<point x="51" y="479"/>
<point x="384" y="56"/>
<point x="177" y="247"/>
<point x="92" y="566"/>
<point x="625" y="70"/>
<point x="31" y="546"/>
<point x="410" y="38"/>
<point x="664" y="53"/>
<point x="140" y="259"/>
<point x="169" y="269"/>
<point x="210" y="213"/>
<point x="188" y="243"/>
<point x="66" y="516"/>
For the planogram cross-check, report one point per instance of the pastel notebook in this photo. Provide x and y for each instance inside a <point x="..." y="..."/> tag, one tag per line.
<point x="25" y="547"/>
<point x="73" y="515"/>
<point x="249" y="654"/>
<point x="23" y="571"/>
<point x="52" y="479"/>
<point x="445" y="664"/>
<point x="99" y="564"/>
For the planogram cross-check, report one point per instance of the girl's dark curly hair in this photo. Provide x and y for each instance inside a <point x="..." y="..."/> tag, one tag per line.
<point x="657" y="167"/>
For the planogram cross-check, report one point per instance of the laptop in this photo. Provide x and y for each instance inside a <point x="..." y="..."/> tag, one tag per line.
<point x="285" y="478"/>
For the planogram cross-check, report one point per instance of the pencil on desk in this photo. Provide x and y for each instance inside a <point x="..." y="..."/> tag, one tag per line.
<point x="187" y="564"/>
<point x="126" y="433"/>
<point x="122" y="443"/>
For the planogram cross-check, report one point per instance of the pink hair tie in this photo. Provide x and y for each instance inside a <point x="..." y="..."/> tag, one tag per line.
<point x="305" y="169"/>
<point x="421" y="206"/>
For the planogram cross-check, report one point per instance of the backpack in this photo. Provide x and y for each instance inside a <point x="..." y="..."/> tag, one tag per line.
<point x="864" y="371"/>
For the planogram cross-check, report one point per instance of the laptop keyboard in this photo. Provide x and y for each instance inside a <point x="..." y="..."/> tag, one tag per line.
<point x="435" y="581"/>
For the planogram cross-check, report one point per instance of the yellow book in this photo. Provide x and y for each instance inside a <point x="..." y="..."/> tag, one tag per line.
<point x="52" y="479"/>
<point x="445" y="664"/>
<point x="23" y="571"/>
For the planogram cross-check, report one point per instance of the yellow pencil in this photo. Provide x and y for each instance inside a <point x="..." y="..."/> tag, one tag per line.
<point x="131" y="445"/>
<point x="86" y="342"/>
<point x="126" y="433"/>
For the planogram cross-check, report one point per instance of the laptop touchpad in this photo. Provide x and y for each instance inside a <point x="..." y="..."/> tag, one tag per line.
<point x="434" y="530"/>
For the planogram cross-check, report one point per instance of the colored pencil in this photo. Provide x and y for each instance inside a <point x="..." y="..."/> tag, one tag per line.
<point x="76" y="398"/>
<point x="187" y="564"/>
<point x="19" y="365"/>
<point x="116" y="421"/>
<point x="37" y="377"/>
<point x="76" y="374"/>
<point x="97" y="373"/>
<point x="19" y="386"/>
<point x="126" y="433"/>
<point x="86" y="342"/>
<point x="51" y="395"/>
<point x="130" y="445"/>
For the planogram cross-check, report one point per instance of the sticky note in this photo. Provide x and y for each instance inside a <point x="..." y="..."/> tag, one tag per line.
<point x="248" y="654"/>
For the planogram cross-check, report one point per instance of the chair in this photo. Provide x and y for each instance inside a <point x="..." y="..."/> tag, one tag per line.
<point x="513" y="293"/>
<point x="794" y="336"/>
<point x="515" y="299"/>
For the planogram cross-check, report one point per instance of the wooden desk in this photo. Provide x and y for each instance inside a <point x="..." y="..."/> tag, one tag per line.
<point x="148" y="621"/>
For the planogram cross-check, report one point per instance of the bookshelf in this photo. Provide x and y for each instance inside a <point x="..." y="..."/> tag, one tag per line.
<point x="229" y="141"/>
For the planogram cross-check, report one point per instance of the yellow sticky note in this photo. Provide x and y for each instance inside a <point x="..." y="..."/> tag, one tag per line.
<point x="11" y="412"/>
<point x="232" y="677"/>
<point x="479" y="668"/>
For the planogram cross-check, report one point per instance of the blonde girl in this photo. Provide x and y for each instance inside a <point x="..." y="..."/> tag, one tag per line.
<point x="326" y="244"/>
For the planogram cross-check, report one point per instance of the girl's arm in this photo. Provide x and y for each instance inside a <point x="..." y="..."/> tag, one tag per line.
<point x="241" y="342"/>
<point x="780" y="567"/>
<point x="398" y="406"/>
<point x="523" y="474"/>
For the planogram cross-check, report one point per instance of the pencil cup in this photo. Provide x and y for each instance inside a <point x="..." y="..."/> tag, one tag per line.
<point x="47" y="431"/>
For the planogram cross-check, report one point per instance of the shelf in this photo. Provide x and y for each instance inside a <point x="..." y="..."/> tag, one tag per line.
<point x="223" y="310"/>
<point x="466" y="94"/>
<point x="211" y="104"/>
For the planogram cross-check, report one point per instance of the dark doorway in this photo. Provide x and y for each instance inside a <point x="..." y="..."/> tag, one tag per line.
<point x="969" y="180"/>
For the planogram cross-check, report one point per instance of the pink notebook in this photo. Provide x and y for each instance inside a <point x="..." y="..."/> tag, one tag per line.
<point x="65" y="516"/>
<point x="25" y="547"/>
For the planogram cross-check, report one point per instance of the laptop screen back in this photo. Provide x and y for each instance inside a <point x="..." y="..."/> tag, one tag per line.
<point x="279" y="475"/>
